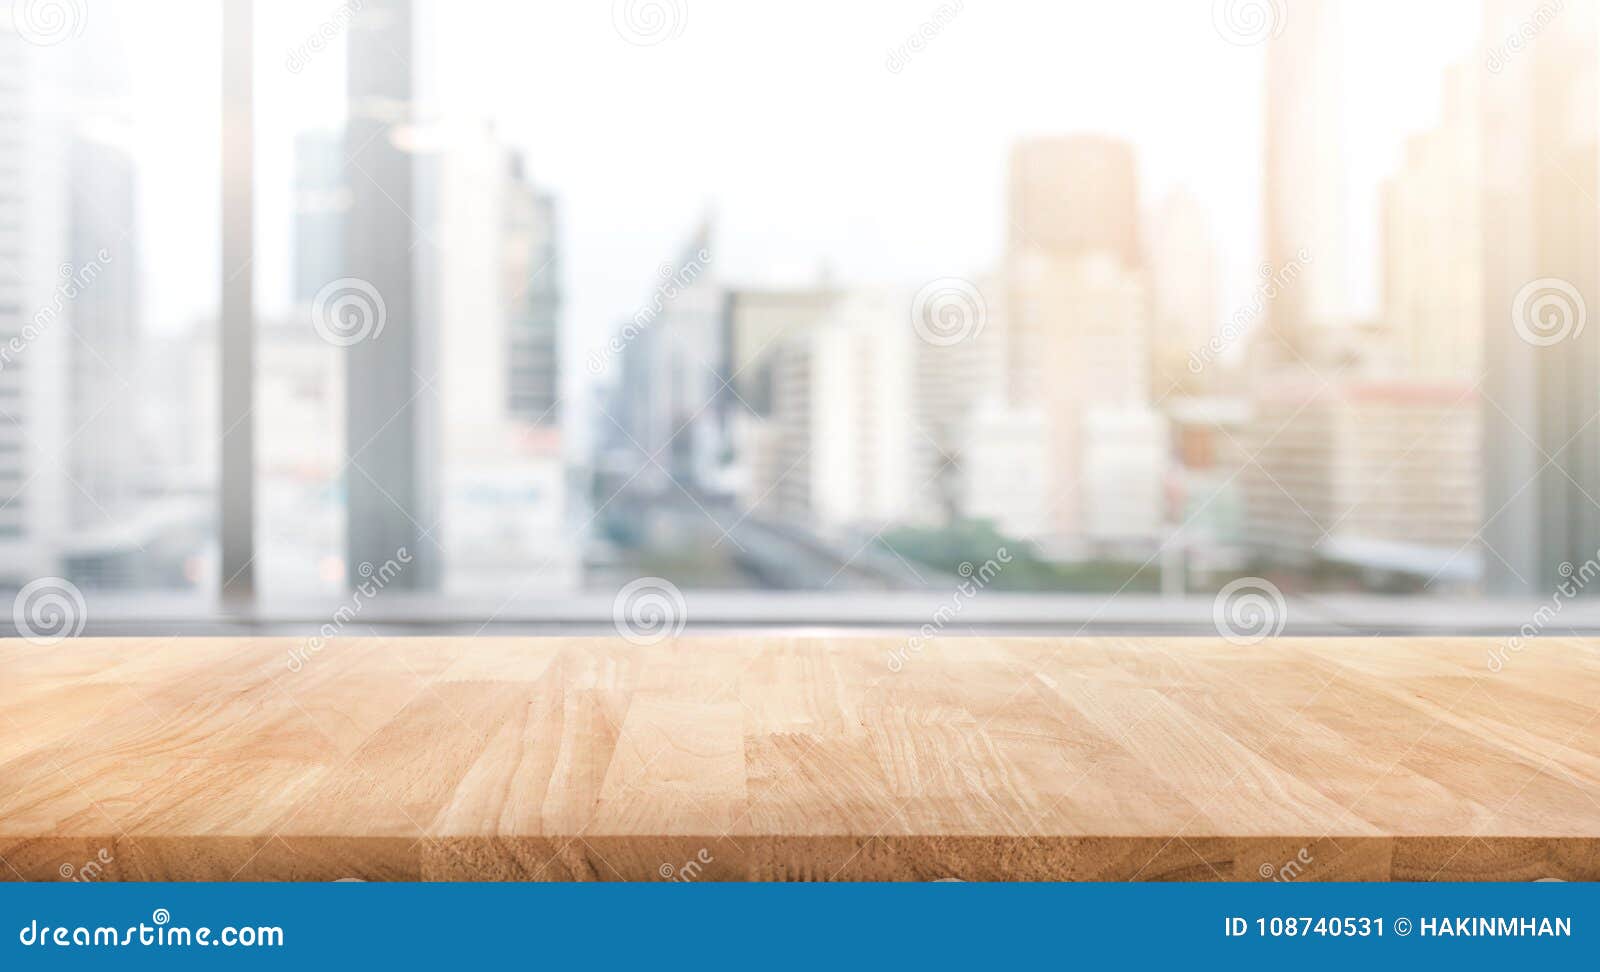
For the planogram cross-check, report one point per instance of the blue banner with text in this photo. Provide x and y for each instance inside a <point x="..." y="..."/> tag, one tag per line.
<point x="938" y="925"/>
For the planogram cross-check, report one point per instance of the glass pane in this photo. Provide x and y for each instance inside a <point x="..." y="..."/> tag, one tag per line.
<point x="108" y="290"/>
<point x="563" y="305"/>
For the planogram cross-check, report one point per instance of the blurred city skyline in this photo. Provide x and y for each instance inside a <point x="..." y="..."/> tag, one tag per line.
<point x="920" y="194"/>
<point x="1289" y="288"/>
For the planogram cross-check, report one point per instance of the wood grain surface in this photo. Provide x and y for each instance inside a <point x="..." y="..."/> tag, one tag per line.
<point x="771" y="758"/>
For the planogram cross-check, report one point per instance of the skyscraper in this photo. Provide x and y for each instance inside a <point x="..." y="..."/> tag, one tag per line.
<point x="391" y="421"/>
<point x="844" y="403"/>
<point x="1541" y="292"/>
<point x="674" y="356"/>
<point x="321" y="207"/>
<point x="102" y="249"/>
<point x="533" y="302"/>
<point x="1069" y="197"/>
<point x="1075" y="194"/>
<point x="1077" y="326"/>
<point x="1305" y="177"/>
<point x="1433" y="242"/>
<point x="1185" y="273"/>
<point x="1097" y="349"/>
<point x="1378" y="474"/>
<point x="34" y="309"/>
<point x="493" y="291"/>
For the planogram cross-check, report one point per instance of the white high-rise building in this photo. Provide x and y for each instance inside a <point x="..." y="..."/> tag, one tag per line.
<point x="1433" y="242"/>
<point x="1306" y="197"/>
<point x="1070" y="198"/>
<point x="1005" y="469"/>
<point x="843" y="401"/>
<point x="504" y="492"/>
<point x="1124" y="461"/>
<point x="1096" y="314"/>
<point x="760" y="321"/>
<point x="1541" y="291"/>
<point x="35" y="312"/>
<point x="1377" y="474"/>
<point x="670" y="404"/>
<point x="1185" y="272"/>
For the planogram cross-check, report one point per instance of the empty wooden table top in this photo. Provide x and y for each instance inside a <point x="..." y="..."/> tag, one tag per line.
<point x="773" y="758"/>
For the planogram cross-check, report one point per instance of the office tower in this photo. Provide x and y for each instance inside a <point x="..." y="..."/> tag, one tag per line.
<point x="1305" y="179"/>
<point x="503" y="490"/>
<point x="1375" y="474"/>
<point x="102" y="238"/>
<point x="300" y="394"/>
<point x="843" y="401"/>
<point x="34" y="311"/>
<point x="1433" y="242"/>
<point x="952" y="378"/>
<point x="533" y="299"/>
<point x="1541" y="293"/>
<point x="391" y="421"/>
<point x="321" y="207"/>
<point x="760" y="322"/>
<point x="1185" y="272"/>
<point x="1070" y="197"/>
<point x="300" y="390"/>
<point x="102" y="364"/>
<point x="104" y="520"/>
<point x="1005" y="469"/>
<point x="1077" y="324"/>
<point x="1208" y="435"/>
<point x="1075" y="194"/>
<point x="1094" y="312"/>
<point x="674" y="358"/>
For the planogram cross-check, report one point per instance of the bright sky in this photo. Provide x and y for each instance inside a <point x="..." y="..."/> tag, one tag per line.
<point x="784" y="119"/>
